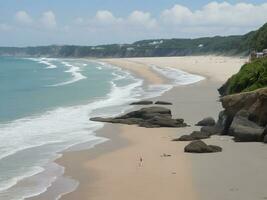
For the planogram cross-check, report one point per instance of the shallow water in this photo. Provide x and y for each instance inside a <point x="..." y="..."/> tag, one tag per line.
<point x="45" y="108"/>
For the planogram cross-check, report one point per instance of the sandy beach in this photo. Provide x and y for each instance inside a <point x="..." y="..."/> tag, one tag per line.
<point x="113" y="170"/>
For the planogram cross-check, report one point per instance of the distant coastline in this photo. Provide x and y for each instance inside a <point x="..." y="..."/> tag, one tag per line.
<point x="235" y="45"/>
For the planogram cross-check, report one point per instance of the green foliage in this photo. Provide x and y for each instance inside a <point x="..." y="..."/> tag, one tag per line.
<point x="259" y="40"/>
<point x="250" y="77"/>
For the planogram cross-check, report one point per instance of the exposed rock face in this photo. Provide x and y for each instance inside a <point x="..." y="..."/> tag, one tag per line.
<point x="151" y="117"/>
<point x="254" y="102"/>
<point x="201" y="147"/>
<point x="142" y="103"/>
<point x="209" y="121"/>
<point x="245" y="130"/>
<point x="195" y="135"/>
<point x="245" y="115"/>
<point x="163" y="103"/>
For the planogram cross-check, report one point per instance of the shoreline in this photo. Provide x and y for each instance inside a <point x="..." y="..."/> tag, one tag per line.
<point x="118" y="142"/>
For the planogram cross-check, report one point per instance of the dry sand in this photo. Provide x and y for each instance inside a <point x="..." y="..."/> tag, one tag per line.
<point x="112" y="170"/>
<point x="217" y="68"/>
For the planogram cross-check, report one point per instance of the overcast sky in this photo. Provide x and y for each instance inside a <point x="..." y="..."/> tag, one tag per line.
<point x="92" y="22"/>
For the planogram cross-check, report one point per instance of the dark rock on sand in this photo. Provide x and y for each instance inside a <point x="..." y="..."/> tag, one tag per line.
<point x="163" y="103"/>
<point x="212" y="130"/>
<point x="151" y="117"/>
<point x="245" y="130"/>
<point x="195" y="135"/>
<point x="209" y="121"/>
<point x="142" y="103"/>
<point x="159" y="121"/>
<point x="201" y="147"/>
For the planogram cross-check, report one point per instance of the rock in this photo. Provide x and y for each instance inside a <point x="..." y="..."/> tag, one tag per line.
<point x="163" y="103"/>
<point x="254" y="102"/>
<point x="163" y="122"/>
<point x="209" y="121"/>
<point x="212" y="130"/>
<point x="195" y="135"/>
<point x="223" y="123"/>
<point x="151" y="117"/>
<point x="201" y="147"/>
<point x="142" y="103"/>
<point x="148" y="112"/>
<point x="245" y="130"/>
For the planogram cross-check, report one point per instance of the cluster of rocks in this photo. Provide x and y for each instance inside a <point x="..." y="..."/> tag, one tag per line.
<point x="151" y="102"/>
<point x="197" y="146"/>
<point x="149" y="117"/>
<point x="245" y="116"/>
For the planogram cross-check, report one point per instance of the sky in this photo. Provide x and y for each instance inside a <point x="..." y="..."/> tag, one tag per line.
<point x="94" y="22"/>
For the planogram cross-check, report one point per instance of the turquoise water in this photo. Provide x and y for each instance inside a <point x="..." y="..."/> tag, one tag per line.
<point x="29" y="87"/>
<point x="45" y="107"/>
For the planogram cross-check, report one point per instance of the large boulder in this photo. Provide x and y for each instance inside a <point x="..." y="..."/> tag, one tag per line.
<point x="201" y="147"/>
<point x="142" y="103"/>
<point x="224" y="122"/>
<point x="195" y="135"/>
<point x="245" y="130"/>
<point x="254" y="102"/>
<point x="151" y="117"/>
<point x="208" y="121"/>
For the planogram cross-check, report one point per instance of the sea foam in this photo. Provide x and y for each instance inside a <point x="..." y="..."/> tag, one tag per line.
<point x="57" y="130"/>
<point x="177" y="76"/>
<point x="75" y="72"/>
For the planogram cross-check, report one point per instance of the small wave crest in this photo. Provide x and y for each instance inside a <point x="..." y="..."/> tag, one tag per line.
<point x="178" y="77"/>
<point x="75" y="72"/>
<point x="45" y="61"/>
<point x="61" y="128"/>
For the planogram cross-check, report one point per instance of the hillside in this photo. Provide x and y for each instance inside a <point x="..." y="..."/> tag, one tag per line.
<point x="228" y="45"/>
<point x="250" y="77"/>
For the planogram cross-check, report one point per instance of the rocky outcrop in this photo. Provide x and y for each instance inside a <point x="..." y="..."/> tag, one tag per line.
<point x="245" y="116"/>
<point x="142" y="103"/>
<point x="195" y="135"/>
<point x="150" y="117"/>
<point x="163" y="103"/>
<point x="201" y="147"/>
<point x="254" y="102"/>
<point x="208" y="121"/>
<point x="245" y="130"/>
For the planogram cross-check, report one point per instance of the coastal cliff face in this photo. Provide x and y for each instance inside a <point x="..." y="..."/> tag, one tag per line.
<point x="255" y="103"/>
<point x="245" y="116"/>
<point x="244" y="99"/>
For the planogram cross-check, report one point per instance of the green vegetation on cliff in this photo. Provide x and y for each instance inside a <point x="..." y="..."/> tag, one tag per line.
<point x="258" y="39"/>
<point x="251" y="76"/>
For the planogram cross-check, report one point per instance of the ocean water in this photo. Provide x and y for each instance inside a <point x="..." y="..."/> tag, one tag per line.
<point x="45" y="106"/>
